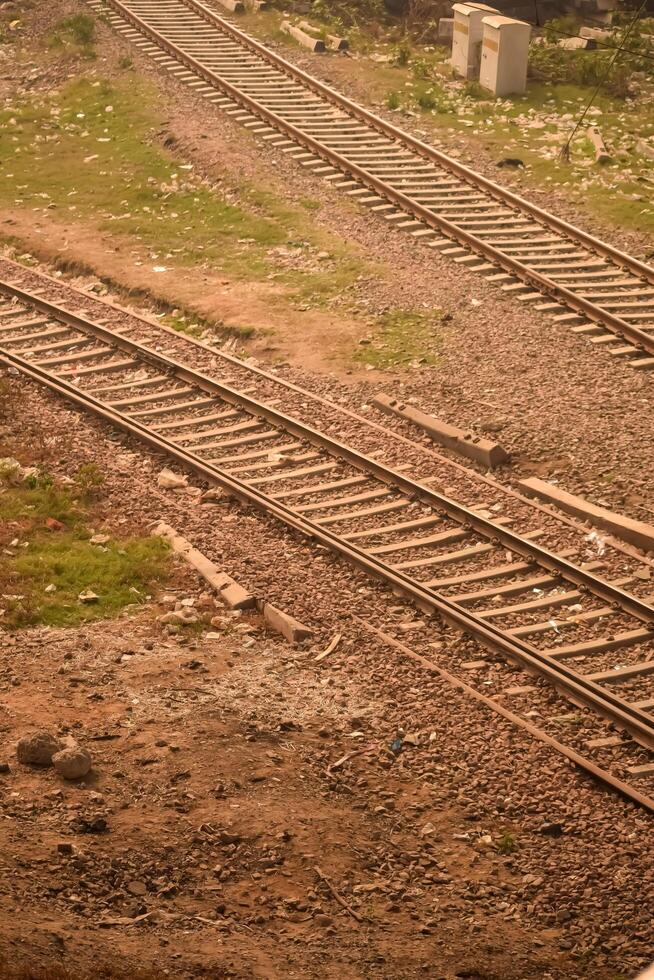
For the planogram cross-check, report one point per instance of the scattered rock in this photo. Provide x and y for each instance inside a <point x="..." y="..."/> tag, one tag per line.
<point x="72" y="762"/>
<point x="137" y="888"/>
<point x="37" y="749"/>
<point x="88" y="597"/>
<point x="180" y="617"/>
<point x="510" y="162"/>
<point x="171" y="481"/>
<point x="11" y="472"/>
<point x="552" y="829"/>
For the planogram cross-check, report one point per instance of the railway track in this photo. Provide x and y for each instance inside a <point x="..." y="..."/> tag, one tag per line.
<point x="563" y="271"/>
<point x="534" y="606"/>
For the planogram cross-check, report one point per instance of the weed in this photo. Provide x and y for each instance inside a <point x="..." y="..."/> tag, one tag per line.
<point x="89" y="478"/>
<point x="29" y="507"/>
<point x="506" y="844"/>
<point x="74" y="33"/>
<point x="50" y="560"/>
<point x="473" y="90"/>
<point x="41" y="480"/>
<point x="426" y="99"/>
<point x="125" y="63"/>
<point x="421" y="68"/>
<point x="393" y="100"/>
<point x="133" y="189"/>
<point x="119" y="574"/>
<point x="402" y="55"/>
<point x="81" y="28"/>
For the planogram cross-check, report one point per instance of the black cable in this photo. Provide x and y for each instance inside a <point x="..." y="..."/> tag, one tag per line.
<point x="565" y="150"/>
<point x="603" y="44"/>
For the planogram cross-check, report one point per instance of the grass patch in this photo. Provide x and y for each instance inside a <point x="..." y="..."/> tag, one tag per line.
<point x="90" y="153"/>
<point x="402" y="339"/>
<point x="49" y="558"/>
<point x="75" y="35"/>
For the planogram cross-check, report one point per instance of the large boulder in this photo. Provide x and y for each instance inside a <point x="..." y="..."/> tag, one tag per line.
<point x="73" y="762"/>
<point x="37" y="749"/>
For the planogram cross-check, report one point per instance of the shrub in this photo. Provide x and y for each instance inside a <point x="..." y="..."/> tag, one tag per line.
<point x="402" y="55"/>
<point x="81" y="28"/>
<point x="89" y="478"/>
<point x="558" y="26"/>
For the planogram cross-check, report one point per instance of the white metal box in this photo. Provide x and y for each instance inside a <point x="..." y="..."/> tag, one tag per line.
<point x="504" y="55"/>
<point x="466" y="37"/>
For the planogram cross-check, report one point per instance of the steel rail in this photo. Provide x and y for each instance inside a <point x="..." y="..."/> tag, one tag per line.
<point x="424" y="149"/>
<point x="579" y="688"/>
<point x="259" y="372"/>
<point x="602" y="775"/>
<point x="386" y="474"/>
<point x="543" y="283"/>
<point x="212" y="474"/>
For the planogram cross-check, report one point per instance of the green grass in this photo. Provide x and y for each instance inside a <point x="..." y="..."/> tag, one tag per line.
<point x="402" y="339"/>
<point x="627" y="204"/>
<point x="506" y="844"/>
<point x="75" y="35"/>
<point x="52" y="523"/>
<point x="89" y="154"/>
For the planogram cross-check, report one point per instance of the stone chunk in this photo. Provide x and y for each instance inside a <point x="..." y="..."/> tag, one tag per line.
<point x="289" y="627"/>
<point x="72" y="762"/>
<point x="171" y="481"/>
<point x="37" y="749"/>
<point x="465" y="443"/>
<point x="635" y="532"/>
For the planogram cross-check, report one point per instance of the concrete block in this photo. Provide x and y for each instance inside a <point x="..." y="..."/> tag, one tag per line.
<point x="334" y="43"/>
<point x="234" y="6"/>
<point x="466" y="444"/>
<point x="578" y="43"/>
<point x="312" y="43"/>
<point x="646" y="147"/>
<point x="637" y="533"/>
<point x="445" y="30"/>
<point x="596" y="33"/>
<point x="231" y="593"/>
<point x="289" y="627"/>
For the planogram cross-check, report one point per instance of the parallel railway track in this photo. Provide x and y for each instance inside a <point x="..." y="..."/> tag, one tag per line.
<point x="536" y="607"/>
<point x="565" y="272"/>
